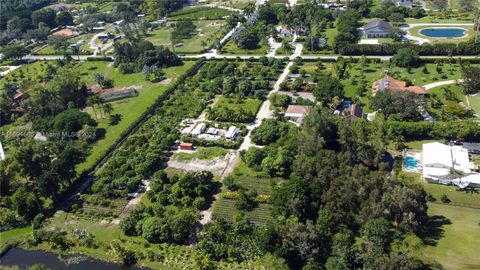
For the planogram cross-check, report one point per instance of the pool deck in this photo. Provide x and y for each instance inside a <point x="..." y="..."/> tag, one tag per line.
<point x="421" y="40"/>
<point x="417" y="156"/>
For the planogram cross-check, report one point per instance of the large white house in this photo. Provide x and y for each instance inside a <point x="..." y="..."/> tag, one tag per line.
<point x="445" y="164"/>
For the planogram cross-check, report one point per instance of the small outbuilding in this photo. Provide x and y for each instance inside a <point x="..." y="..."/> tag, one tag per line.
<point x="232" y="133"/>
<point x="199" y="129"/>
<point x="186" y="146"/>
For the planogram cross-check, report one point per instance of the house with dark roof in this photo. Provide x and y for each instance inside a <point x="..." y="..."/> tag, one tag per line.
<point x="377" y="29"/>
<point x="389" y="82"/>
<point x="353" y="111"/>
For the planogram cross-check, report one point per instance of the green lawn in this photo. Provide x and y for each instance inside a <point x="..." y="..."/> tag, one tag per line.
<point x="417" y="145"/>
<point x="128" y="109"/>
<point x="197" y="13"/>
<point x="202" y="153"/>
<point x="231" y="48"/>
<point x="475" y="103"/>
<point x="453" y="238"/>
<point x="248" y="104"/>
<point x="13" y="235"/>
<point x="416" y="75"/>
<point x="208" y="31"/>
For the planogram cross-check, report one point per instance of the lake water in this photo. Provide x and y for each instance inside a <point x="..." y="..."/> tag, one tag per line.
<point x="26" y="258"/>
<point x="443" y="32"/>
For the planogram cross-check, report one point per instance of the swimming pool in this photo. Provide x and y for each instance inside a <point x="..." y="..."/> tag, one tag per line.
<point x="410" y="163"/>
<point x="447" y="32"/>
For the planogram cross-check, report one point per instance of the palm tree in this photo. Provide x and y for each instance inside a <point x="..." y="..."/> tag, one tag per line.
<point x="108" y="108"/>
<point x="91" y="102"/>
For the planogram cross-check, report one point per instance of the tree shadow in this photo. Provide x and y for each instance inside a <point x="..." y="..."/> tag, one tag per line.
<point x="434" y="229"/>
<point x="115" y="119"/>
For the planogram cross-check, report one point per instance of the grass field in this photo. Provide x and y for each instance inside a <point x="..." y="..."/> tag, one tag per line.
<point x="209" y="32"/>
<point x="202" y="153"/>
<point x="10" y="236"/>
<point x="231" y="48"/>
<point x="248" y="104"/>
<point x="198" y="13"/>
<point x="475" y="103"/>
<point x="453" y="238"/>
<point x="128" y="109"/>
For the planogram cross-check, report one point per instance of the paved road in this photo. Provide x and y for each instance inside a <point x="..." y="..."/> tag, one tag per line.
<point x="264" y="111"/>
<point x="9" y="69"/>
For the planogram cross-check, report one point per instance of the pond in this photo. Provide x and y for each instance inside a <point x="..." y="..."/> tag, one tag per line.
<point x="26" y="258"/>
<point x="446" y="32"/>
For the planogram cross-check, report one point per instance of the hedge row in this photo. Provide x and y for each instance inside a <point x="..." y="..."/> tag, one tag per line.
<point x="462" y="48"/>
<point x="218" y="143"/>
<point x="468" y="131"/>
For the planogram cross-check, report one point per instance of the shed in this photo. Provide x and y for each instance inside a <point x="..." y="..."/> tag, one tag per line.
<point x="186" y="146"/>
<point x="232" y="133"/>
<point x="199" y="129"/>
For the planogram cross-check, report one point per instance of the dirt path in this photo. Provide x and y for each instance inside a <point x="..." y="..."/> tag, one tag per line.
<point x="441" y="83"/>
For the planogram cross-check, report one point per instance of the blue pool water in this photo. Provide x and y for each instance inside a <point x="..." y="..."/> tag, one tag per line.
<point x="410" y="162"/>
<point x="443" y="32"/>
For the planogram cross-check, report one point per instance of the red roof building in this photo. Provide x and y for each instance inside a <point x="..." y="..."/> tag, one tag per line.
<point x="186" y="146"/>
<point x="396" y="85"/>
<point x="68" y="33"/>
<point x="19" y="96"/>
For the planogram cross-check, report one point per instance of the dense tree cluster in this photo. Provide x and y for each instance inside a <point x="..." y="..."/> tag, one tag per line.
<point x="133" y="56"/>
<point x="330" y="198"/>
<point x="397" y="105"/>
<point x="171" y="216"/>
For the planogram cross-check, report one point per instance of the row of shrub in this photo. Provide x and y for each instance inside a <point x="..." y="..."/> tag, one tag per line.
<point x="218" y="143"/>
<point x="462" y="48"/>
<point x="468" y="131"/>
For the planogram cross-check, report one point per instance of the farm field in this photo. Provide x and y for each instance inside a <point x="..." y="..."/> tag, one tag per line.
<point x="247" y="178"/>
<point x="225" y="209"/>
<point x="209" y="32"/>
<point x="128" y="109"/>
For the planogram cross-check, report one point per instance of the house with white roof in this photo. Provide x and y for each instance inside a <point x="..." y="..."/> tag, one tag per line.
<point x="232" y="133"/>
<point x="199" y="129"/>
<point x="449" y="165"/>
